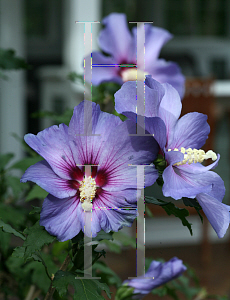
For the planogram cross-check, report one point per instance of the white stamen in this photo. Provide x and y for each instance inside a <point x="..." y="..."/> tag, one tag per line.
<point x="132" y="74"/>
<point x="194" y="155"/>
<point x="87" y="192"/>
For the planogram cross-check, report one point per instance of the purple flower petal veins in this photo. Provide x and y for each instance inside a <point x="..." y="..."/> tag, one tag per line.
<point x="180" y="141"/>
<point x="159" y="273"/>
<point x="117" y="41"/>
<point x="112" y="189"/>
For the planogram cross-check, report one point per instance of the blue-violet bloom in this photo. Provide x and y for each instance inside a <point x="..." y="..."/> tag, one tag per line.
<point x="111" y="189"/>
<point x="117" y="41"/>
<point x="180" y="141"/>
<point x="159" y="273"/>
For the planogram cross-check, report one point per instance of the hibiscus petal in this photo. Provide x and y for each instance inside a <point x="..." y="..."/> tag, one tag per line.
<point x="126" y="98"/>
<point x="86" y="147"/>
<point x="216" y="212"/>
<point x="60" y="218"/>
<point x="191" y="131"/>
<point x="115" y="39"/>
<point x="160" y="273"/>
<point x="170" y="109"/>
<point x="114" y="217"/>
<point x="121" y="152"/>
<point x="42" y="174"/>
<point x="167" y="71"/>
<point x="178" y="183"/>
<point x="157" y="127"/>
<point x="102" y="74"/>
<point x="53" y="145"/>
<point x="155" y="38"/>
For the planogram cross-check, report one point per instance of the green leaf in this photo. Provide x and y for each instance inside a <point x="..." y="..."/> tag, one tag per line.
<point x="73" y="76"/>
<point x="57" y="118"/>
<point x="36" y="238"/>
<point x="19" y="252"/>
<point x="9" y="61"/>
<point x="25" y="163"/>
<point x="39" y="273"/>
<point x="4" y="242"/>
<point x="15" y="215"/>
<point x="36" y="193"/>
<point x="35" y="210"/>
<point x="161" y="291"/>
<point x="172" y="292"/>
<point x="24" y="145"/>
<point x="103" y="236"/>
<point x="195" y="204"/>
<point x="171" y="209"/>
<point x="85" y="289"/>
<point x="124" y="239"/>
<point x="148" y="212"/>
<point x="5" y="159"/>
<point x="107" y="274"/>
<point x="8" y="229"/>
<point x="114" y="247"/>
<point x="16" y="185"/>
<point x="59" y="247"/>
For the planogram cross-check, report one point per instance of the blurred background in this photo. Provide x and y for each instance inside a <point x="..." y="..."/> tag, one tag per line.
<point x="44" y="33"/>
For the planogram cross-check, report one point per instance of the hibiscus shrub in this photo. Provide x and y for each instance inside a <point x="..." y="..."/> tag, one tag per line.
<point x="90" y="172"/>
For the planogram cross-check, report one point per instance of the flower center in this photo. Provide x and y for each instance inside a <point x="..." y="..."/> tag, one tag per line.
<point x="87" y="192"/>
<point x="194" y="156"/>
<point x="132" y="74"/>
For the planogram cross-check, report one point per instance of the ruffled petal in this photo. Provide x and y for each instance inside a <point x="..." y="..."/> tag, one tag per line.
<point x="42" y="174"/>
<point x="113" y="211"/>
<point x="179" y="182"/>
<point x="121" y="152"/>
<point x="191" y="131"/>
<point x="170" y="109"/>
<point x="115" y="39"/>
<point x="102" y="74"/>
<point x="216" y="212"/>
<point x="53" y="145"/>
<point x="169" y="72"/>
<point x="114" y="149"/>
<point x="158" y="273"/>
<point x="126" y="98"/>
<point x="89" y="128"/>
<point x="155" y="38"/>
<point x="157" y="127"/>
<point x="60" y="217"/>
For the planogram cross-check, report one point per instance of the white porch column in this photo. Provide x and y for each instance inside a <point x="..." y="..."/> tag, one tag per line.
<point x="12" y="91"/>
<point x="79" y="10"/>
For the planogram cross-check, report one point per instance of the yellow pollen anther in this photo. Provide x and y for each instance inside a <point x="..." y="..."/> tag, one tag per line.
<point x="87" y="192"/>
<point x="194" y="156"/>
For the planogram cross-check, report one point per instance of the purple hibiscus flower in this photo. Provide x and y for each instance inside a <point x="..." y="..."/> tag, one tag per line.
<point x="160" y="274"/>
<point x="117" y="41"/>
<point x="110" y="190"/>
<point x="180" y="141"/>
